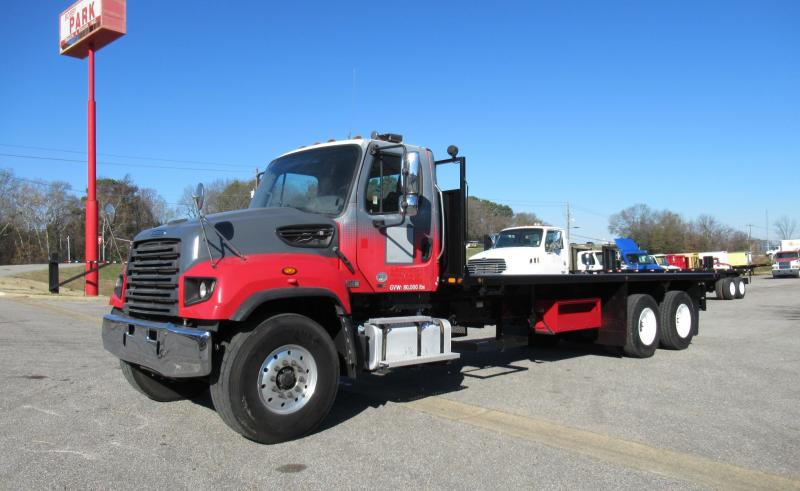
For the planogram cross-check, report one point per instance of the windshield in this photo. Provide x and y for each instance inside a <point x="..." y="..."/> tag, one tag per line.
<point x="640" y="258"/>
<point x="316" y="180"/>
<point x="787" y="255"/>
<point x="529" y="237"/>
<point x="662" y="261"/>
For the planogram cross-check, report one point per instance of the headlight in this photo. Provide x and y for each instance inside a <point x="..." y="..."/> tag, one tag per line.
<point x="196" y="290"/>
<point x="118" y="286"/>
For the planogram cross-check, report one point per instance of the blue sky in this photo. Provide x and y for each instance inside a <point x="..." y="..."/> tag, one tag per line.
<point x="690" y="106"/>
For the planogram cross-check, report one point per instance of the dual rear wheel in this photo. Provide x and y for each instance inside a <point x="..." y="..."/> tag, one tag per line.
<point x="730" y="288"/>
<point x="672" y="324"/>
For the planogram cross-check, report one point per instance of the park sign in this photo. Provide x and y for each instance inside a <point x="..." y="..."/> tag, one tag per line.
<point x="90" y="23"/>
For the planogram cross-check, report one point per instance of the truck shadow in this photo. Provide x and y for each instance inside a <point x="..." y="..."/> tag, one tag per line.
<point x="372" y="391"/>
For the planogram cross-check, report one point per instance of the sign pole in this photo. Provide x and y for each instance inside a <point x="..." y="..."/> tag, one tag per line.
<point x="91" y="199"/>
<point x="85" y="27"/>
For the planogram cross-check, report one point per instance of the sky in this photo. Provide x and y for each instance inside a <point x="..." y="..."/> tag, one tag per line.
<point x="690" y="106"/>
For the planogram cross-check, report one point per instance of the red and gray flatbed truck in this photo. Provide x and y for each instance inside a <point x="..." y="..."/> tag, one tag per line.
<point x="351" y="259"/>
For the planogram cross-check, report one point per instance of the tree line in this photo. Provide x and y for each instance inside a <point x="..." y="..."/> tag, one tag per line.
<point x="485" y="217"/>
<point x="38" y="219"/>
<point x="664" y="231"/>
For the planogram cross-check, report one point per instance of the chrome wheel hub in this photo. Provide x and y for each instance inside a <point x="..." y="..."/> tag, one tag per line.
<point x="287" y="379"/>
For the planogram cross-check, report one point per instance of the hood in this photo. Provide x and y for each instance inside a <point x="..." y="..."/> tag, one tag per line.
<point x="627" y="246"/>
<point x="251" y="231"/>
<point x="507" y="253"/>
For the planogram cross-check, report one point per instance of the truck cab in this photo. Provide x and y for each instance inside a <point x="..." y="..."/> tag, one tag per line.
<point x="663" y="261"/>
<point x="589" y="261"/>
<point x="528" y="250"/>
<point x="634" y="258"/>
<point x="786" y="264"/>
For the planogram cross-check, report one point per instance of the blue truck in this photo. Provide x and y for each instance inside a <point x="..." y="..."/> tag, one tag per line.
<point x="632" y="257"/>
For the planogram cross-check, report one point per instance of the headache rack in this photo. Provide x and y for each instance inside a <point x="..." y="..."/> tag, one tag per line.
<point x="152" y="278"/>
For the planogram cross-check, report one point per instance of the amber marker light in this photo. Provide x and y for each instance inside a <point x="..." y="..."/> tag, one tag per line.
<point x="288" y="270"/>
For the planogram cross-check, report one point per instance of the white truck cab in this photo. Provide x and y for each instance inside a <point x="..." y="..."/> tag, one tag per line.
<point x="661" y="260"/>
<point x="536" y="249"/>
<point x="589" y="261"/>
<point x="786" y="263"/>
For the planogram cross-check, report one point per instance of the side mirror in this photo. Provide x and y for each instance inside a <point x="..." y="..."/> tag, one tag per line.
<point x="199" y="195"/>
<point x="487" y="242"/>
<point x="412" y="168"/>
<point x="110" y="212"/>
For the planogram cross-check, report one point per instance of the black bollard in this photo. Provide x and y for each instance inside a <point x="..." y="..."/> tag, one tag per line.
<point x="53" y="270"/>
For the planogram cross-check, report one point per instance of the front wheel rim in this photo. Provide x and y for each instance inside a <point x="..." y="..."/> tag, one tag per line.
<point x="683" y="320"/>
<point x="647" y="326"/>
<point x="287" y="379"/>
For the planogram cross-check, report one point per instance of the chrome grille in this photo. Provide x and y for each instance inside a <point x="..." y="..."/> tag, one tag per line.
<point x="152" y="277"/>
<point x="479" y="267"/>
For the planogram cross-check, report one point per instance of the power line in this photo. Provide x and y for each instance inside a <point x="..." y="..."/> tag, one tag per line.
<point x="38" y="157"/>
<point x="157" y="159"/>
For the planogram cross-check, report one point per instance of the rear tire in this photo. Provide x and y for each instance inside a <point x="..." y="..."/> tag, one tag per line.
<point x="643" y="332"/>
<point x="161" y="389"/>
<point x="719" y="288"/>
<point x="278" y="381"/>
<point x="730" y="289"/>
<point x="679" y="319"/>
<point x="741" y="288"/>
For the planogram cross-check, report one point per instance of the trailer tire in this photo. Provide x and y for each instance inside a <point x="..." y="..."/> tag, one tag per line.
<point x="741" y="288"/>
<point x="719" y="288"/>
<point x="728" y="288"/>
<point x="277" y="381"/>
<point x="679" y="319"/>
<point x="161" y="389"/>
<point x="643" y="329"/>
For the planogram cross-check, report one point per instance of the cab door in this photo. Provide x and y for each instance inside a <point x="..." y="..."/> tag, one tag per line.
<point x="555" y="252"/>
<point x="396" y="253"/>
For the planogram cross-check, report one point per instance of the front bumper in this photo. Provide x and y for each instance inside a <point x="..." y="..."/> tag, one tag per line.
<point x="163" y="347"/>
<point x="786" y="272"/>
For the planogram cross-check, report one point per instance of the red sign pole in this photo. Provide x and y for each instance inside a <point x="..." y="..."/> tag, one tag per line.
<point x="91" y="198"/>
<point x="85" y="27"/>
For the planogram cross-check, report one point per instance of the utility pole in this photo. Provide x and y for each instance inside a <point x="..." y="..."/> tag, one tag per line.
<point x="766" y="214"/>
<point x="569" y="219"/>
<point x="749" y="236"/>
<point x="69" y="259"/>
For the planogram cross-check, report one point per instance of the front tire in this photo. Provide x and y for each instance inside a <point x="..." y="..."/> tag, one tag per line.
<point x="161" y="389"/>
<point x="679" y="319"/>
<point x="643" y="330"/>
<point x="278" y="381"/>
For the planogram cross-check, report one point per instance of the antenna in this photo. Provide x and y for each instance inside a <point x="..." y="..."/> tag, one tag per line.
<point x="352" y="105"/>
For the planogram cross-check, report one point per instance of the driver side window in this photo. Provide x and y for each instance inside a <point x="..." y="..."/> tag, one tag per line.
<point x="553" y="242"/>
<point x="383" y="185"/>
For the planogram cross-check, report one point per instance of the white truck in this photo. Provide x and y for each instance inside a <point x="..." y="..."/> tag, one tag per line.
<point x="529" y="250"/>
<point x="588" y="261"/>
<point x="786" y="262"/>
<point x="661" y="260"/>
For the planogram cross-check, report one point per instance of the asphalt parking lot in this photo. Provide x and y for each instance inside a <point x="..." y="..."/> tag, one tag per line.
<point x="724" y="414"/>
